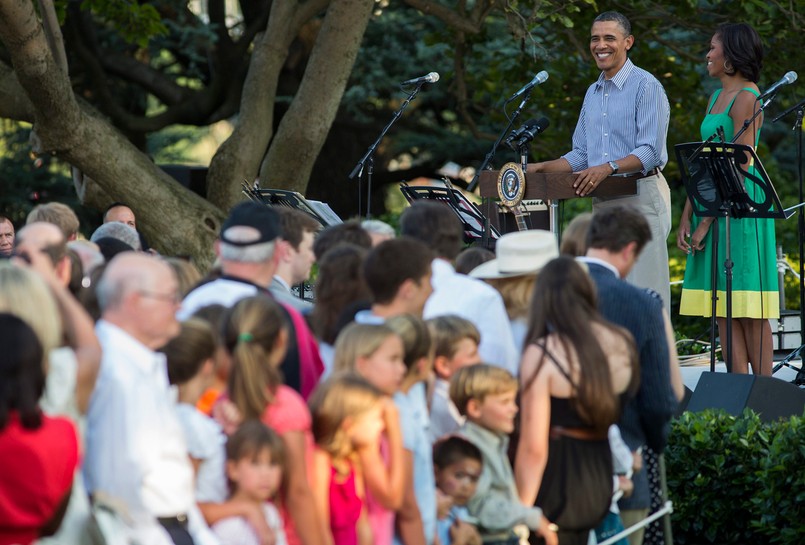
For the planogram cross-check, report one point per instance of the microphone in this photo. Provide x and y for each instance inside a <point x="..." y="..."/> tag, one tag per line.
<point x="533" y="130"/>
<point x="527" y="132"/>
<point x="433" y="77"/>
<point x="789" y="78"/>
<point x="517" y="133"/>
<point x="539" y="79"/>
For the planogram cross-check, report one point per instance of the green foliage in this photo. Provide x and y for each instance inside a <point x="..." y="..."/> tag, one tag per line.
<point x="136" y="22"/>
<point x="26" y="181"/>
<point x="780" y="499"/>
<point x="735" y="479"/>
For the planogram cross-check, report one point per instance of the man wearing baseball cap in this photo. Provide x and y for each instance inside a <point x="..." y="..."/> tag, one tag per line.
<point x="248" y="253"/>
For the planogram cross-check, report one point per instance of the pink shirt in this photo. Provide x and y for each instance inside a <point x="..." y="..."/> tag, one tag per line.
<point x="381" y="520"/>
<point x="287" y="413"/>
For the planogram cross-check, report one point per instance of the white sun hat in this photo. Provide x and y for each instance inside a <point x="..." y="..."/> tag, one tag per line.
<point x="519" y="253"/>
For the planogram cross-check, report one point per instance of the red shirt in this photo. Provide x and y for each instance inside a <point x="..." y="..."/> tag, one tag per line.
<point x="36" y="473"/>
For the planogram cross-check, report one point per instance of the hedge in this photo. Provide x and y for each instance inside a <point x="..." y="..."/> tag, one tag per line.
<point x="736" y="479"/>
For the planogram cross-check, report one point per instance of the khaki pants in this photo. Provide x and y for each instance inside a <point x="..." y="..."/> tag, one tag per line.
<point x="630" y="517"/>
<point x="653" y="200"/>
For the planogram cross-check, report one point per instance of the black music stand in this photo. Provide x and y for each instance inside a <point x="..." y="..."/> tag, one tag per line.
<point x="320" y="211"/>
<point x="477" y="228"/>
<point x="714" y="174"/>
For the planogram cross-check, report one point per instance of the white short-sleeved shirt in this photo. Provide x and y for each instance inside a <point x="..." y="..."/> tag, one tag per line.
<point x="206" y="442"/>
<point x="236" y="531"/>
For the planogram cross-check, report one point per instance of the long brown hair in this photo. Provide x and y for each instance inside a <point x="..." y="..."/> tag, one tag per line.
<point x="251" y="330"/>
<point x="565" y="303"/>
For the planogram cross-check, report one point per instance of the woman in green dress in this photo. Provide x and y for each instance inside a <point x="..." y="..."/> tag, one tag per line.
<point x="735" y="57"/>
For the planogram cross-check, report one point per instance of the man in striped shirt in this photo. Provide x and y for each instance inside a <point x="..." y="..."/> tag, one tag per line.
<point x="622" y="128"/>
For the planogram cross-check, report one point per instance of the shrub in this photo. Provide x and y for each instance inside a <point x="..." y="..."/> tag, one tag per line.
<point x="734" y="479"/>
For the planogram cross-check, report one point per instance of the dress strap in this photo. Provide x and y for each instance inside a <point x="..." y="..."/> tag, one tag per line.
<point x="713" y="100"/>
<point x="555" y="362"/>
<point x="727" y="111"/>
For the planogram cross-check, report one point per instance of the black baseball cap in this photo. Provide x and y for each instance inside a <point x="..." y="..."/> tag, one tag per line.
<point x="250" y="223"/>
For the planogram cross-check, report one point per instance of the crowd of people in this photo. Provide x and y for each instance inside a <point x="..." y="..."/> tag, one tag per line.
<point x="169" y="408"/>
<point x="428" y="394"/>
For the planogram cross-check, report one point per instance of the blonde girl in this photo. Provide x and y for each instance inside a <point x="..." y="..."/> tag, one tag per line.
<point x="347" y="416"/>
<point x="255" y="465"/>
<point x="376" y="353"/>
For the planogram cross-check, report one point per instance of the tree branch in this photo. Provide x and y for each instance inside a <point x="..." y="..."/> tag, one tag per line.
<point x="305" y="125"/>
<point x="239" y="157"/>
<point x="451" y="17"/>
<point x="151" y="81"/>
<point x="14" y="104"/>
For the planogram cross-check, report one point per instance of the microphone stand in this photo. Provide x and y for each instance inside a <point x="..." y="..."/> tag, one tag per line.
<point x="491" y="154"/>
<point x="754" y="116"/>
<point x="800" y="378"/>
<point x="368" y="158"/>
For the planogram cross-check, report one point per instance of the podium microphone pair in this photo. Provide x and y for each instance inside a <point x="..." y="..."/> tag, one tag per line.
<point x="527" y="132"/>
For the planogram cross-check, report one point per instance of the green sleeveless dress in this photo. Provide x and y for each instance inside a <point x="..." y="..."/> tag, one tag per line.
<point x="753" y="248"/>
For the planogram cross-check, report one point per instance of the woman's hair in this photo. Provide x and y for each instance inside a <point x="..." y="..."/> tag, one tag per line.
<point x="188" y="351"/>
<point x="516" y="293"/>
<point x="24" y="294"/>
<point x="251" y="330"/>
<point x="249" y="440"/>
<point x="358" y="341"/>
<point x="22" y="372"/>
<point x="342" y="396"/>
<point x="471" y="257"/>
<point x="574" y="237"/>
<point x="415" y="336"/>
<point x="742" y="49"/>
<point x="340" y="282"/>
<point x="565" y="303"/>
<point x="76" y="272"/>
<point x="187" y="275"/>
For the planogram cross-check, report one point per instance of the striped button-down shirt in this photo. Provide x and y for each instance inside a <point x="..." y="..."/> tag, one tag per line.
<point x="625" y="115"/>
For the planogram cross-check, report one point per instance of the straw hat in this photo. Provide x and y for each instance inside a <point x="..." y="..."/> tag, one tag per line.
<point x="519" y="253"/>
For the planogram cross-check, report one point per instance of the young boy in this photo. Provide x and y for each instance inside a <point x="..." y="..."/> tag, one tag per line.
<point x="455" y="345"/>
<point x="457" y="464"/>
<point x="485" y="395"/>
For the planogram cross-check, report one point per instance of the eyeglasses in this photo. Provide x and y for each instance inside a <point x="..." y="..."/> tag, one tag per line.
<point x="173" y="298"/>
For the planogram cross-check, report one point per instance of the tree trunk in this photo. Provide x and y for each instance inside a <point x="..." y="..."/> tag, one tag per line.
<point x="239" y="157"/>
<point x="177" y="221"/>
<point x="304" y="127"/>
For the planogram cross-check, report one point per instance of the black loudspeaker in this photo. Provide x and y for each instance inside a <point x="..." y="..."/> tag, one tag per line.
<point x="770" y="397"/>
<point x="683" y="405"/>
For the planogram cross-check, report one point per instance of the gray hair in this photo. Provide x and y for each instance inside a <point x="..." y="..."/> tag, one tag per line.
<point x="618" y="17"/>
<point x="254" y="253"/>
<point x="378" y="227"/>
<point x="120" y="231"/>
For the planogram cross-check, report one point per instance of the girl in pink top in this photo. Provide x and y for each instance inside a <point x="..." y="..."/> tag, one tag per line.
<point x="255" y="334"/>
<point x="375" y="352"/>
<point x="347" y="416"/>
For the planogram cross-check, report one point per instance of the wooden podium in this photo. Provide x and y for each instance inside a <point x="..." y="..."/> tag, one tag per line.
<point x="552" y="188"/>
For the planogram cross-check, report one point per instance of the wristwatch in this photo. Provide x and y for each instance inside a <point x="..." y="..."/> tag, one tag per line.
<point x="614" y="166"/>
